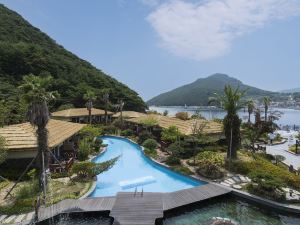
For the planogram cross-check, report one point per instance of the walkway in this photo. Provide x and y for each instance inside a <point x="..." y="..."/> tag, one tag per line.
<point x="290" y="159"/>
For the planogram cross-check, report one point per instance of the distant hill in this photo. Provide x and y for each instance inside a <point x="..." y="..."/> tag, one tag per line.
<point x="294" y="90"/>
<point x="198" y="92"/>
<point x="24" y="49"/>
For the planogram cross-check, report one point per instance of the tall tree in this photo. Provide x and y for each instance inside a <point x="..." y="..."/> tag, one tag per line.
<point x="266" y="102"/>
<point x="250" y="108"/>
<point x="3" y="151"/>
<point x="89" y="96"/>
<point x="231" y="102"/>
<point x="106" y="104"/>
<point x="37" y="96"/>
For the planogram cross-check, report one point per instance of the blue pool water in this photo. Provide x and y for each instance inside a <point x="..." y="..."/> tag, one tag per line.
<point x="133" y="166"/>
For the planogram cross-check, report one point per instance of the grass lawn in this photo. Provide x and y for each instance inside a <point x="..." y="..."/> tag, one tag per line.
<point x="293" y="149"/>
<point x="23" y="197"/>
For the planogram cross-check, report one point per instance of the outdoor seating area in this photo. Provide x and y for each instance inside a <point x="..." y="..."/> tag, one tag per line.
<point x="21" y="142"/>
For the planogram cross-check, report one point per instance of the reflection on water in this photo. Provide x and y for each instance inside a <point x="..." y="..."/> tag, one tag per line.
<point x="78" y="219"/>
<point x="239" y="211"/>
<point x="289" y="117"/>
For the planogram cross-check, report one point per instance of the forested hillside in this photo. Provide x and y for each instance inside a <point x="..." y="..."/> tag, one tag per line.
<point x="199" y="92"/>
<point x="24" y="49"/>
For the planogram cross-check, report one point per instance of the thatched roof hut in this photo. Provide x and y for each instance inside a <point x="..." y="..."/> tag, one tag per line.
<point x="22" y="137"/>
<point x="81" y="115"/>
<point x="129" y="114"/>
<point x="184" y="126"/>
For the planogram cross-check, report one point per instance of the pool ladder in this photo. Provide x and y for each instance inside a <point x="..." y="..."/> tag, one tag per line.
<point x="135" y="192"/>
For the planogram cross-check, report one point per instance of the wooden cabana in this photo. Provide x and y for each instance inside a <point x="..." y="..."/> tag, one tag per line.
<point x="21" y="139"/>
<point x="184" y="126"/>
<point x="129" y="114"/>
<point x="81" y="115"/>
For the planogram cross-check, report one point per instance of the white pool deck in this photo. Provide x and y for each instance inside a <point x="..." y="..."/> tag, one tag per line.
<point x="290" y="159"/>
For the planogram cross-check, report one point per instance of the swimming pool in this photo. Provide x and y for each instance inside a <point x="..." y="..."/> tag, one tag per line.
<point x="133" y="167"/>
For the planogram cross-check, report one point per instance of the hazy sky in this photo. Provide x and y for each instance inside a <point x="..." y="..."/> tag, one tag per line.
<point x="157" y="45"/>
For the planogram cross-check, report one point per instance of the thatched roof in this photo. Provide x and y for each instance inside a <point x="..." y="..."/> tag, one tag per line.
<point x="184" y="126"/>
<point x="77" y="112"/>
<point x="129" y="114"/>
<point x="22" y="136"/>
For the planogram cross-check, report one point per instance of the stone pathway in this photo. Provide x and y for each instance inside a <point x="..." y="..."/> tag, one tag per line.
<point x="236" y="181"/>
<point x="17" y="219"/>
<point x="290" y="159"/>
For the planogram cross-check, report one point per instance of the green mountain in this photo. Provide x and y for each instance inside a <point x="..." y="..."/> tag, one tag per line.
<point x="198" y="92"/>
<point x="294" y="90"/>
<point x="24" y="49"/>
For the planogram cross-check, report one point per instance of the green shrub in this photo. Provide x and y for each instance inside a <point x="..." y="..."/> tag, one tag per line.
<point x="84" y="150"/>
<point x="175" y="149"/>
<point x="182" y="169"/>
<point x="89" y="132"/>
<point x="110" y="129"/>
<point x="173" y="161"/>
<point x="170" y="134"/>
<point x="266" y="185"/>
<point x="151" y="153"/>
<point x="127" y="133"/>
<point x="150" y="144"/>
<point x="144" y="135"/>
<point x="210" y="164"/>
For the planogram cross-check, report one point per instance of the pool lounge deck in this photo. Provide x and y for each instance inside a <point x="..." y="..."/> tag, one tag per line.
<point x="128" y="208"/>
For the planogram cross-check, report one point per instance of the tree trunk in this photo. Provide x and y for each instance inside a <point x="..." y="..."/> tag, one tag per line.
<point x="266" y="114"/>
<point x="232" y="125"/>
<point x="90" y="116"/>
<point x="106" y="119"/>
<point x="43" y="159"/>
<point x="249" y="118"/>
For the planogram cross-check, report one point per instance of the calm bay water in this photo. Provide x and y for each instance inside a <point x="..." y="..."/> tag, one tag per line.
<point x="289" y="116"/>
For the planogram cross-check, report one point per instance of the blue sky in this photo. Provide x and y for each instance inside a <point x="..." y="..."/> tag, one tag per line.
<point x="156" y="45"/>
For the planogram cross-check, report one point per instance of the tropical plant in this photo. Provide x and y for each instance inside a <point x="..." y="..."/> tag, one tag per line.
<point x="252" y="134"/>
<point x="231" y="102"/>
<point x="266" y="103"/>
<point x="173" y="160"/>
<point x="170" y="134"/>
<point x="90" y="132"/>
<point x="89" y="96"/>
<point x="106" y="105"/>
<point x="87" y="169"/>
<point x="84" y="149"/>
<point x="182" y="115"/>
<point x="3" y="150"/>
<point x="144" y="135"/>
<point x="165" y="113"/>
<point x="250" y="108"/>
<point x="150" y="144"/>
<point x="210" y="164"/>
<point x="37" y="96"/>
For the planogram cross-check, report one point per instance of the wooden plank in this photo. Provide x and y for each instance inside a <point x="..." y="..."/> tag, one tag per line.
<point x="137" y="210"/>
<point x="188" y="196"/>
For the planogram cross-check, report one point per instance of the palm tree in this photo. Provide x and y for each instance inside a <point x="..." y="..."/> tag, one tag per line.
<point x="266" y="102"/>
<point x="120" y="107"/>
<point x="37" y="96"/>
<point x="106" y="103"/>
<point x="231" y="102"/>
<point x="250" y="108"/>
<point x="89" y="96"/>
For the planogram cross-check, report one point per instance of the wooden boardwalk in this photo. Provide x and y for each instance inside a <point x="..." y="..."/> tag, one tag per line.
<point x="77" y="205"/>
<point x="137" y="210"/>
<point x="140" y="209"/>
<point x="184" y="197"/>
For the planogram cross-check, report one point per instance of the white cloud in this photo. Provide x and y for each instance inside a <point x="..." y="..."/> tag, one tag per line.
<point x="206" y="29"/>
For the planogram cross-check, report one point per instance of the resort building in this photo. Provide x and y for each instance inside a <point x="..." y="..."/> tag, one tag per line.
<point x="81" y="115"/>
<point x="158" y="122"/>
<point x="129" y="114"/>
<point x="21" y="140"/>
